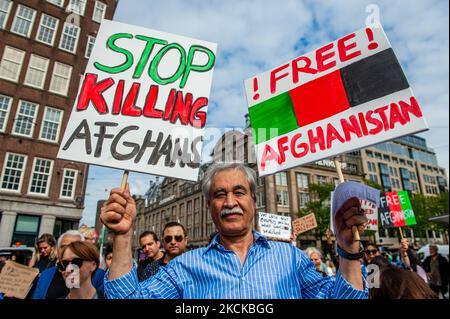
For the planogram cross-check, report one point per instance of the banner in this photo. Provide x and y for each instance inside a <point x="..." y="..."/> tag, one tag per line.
<point x="275" y="226"/>
<point x="304" y="224"/>
<point x="344" y="96"/>
<point x="396" y="210"/>
<point x="142" y="103"/>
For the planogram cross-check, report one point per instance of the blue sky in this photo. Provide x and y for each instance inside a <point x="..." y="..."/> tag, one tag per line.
<point x="256" y="35"/>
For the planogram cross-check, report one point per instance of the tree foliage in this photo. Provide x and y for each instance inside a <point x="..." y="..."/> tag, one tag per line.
<point x="425" y="207"/>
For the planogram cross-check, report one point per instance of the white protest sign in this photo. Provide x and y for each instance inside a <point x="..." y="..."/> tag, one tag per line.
<point x="275" y="226"/>
<point x="371" y="211"/>
<point x="346" y="95"/>
<point x="142" y="103"/>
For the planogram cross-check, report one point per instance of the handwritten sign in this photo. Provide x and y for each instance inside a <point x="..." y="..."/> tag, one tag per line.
<point x="371" y="211"/>
<point x="275" y="226"/>
<point x="16" y="279"/>
<point x="142" y="103"/>
<point x="304" y="224"/>
<point x="346" y="95"/>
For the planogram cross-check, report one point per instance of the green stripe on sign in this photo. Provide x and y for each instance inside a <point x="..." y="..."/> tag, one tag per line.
<point x="408" y="212"/>
<point x="277" y="114"/>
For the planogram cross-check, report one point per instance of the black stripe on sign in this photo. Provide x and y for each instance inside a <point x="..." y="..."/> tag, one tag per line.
<point x="373" y="77"/>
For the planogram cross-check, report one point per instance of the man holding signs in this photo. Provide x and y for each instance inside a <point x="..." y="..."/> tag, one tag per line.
<point x="239" y="262"/>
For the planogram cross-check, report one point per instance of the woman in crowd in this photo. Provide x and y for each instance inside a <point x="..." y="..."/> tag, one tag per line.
<point x="45" y="253"/>
<point x="108" y="257"/>
<point x="79" y="261"/>
<point x="316" y="257"/>
<point x="396" y="283"/>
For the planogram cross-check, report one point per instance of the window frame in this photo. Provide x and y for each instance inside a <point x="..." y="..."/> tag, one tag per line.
<point x="63" y="34"/>
<point x="74" y="186"/>
<point x="55" y="31"/>
<point x="7" y="13"/>
<point x="58" y="5"/>
<point x="8" y="111"/>
<point x="17" y="76"/>
<point x="30" y="67"/>
<point x="87" y="46"/>
<point x="13" y="132"/>
<point x="61" y="115"/>
<point x="48" y="180"/>
<point x="70" y="7"/>
<point x="59" y="75"/>
<point x="105" y="6"/>
<point x="22" y="174"/>
<point x="31" y="22"/>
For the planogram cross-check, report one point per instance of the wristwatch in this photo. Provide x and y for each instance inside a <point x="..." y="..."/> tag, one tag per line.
<point x="344" y="254"/>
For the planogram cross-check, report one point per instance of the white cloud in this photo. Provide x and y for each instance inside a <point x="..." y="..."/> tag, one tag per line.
<point x="254" y="36"/>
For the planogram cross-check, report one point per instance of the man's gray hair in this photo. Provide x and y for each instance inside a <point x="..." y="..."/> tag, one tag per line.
<point x="216" y="168"/>
<point x="70" y="233"/>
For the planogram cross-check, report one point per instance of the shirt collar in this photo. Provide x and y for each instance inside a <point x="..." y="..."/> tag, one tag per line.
<point x="215" y="242"/>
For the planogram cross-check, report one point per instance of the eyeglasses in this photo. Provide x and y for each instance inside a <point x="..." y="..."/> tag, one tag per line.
<point x="62" y="265"/>
<point x="178" y="238"/>
<point x="371" y="251"/>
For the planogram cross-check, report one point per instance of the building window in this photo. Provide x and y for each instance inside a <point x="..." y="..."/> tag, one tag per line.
<point x="303" y="199"/>
<point x="282" y="198"/>
<point x="99" y="11"/>
<point x="77" y="6"/>
<point x="13" y="170"/>
<point x="281" y="179"/>
<point x="60" y="78"/>
<point x="321" y="179"/>
<point x="59" y="3"/>
<point x="69" y="183"/>
<point x="89" y="46"/>
<point x="25" y="119"/>
<point x="51" y="124"/>
<point x="302" y="181"/>
<point x="69" y="38"/>
<point x="5" y="7"/>
<point x="369" y="154"/>
<point x="26" y="230"/>
<point x="40" y="178"/>
<point x="378" y="156"/>
<point x="11" y="63"/>
<point x="47" y="29"/>
<point x="5" y="104"/>
<point x="23" y="21"/>
<point x="260" y="199"/>
<point x="37" y="71"/>
<point x="386" y="157"/>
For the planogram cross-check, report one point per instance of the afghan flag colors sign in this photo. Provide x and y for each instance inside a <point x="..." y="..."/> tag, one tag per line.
<point x="142" y="104"/>
<point x="396" y="210"/>
<point x="346" y="95"/>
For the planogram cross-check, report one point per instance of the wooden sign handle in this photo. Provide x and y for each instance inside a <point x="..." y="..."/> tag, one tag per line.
<point x="355" y="231"/>
<point x="401" y="233"/>
<point x="124" y="180"/>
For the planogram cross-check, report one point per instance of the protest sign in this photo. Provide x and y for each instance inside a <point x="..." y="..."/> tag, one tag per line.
<point x="371" y="211"/>
<point x="274" y="226"/>
<point x="396" y="210"/>
<point x="142" y="103"/>
<point x="344" y="96"/>
<point x="16" y="279"/>
<point x="305" y="223"/>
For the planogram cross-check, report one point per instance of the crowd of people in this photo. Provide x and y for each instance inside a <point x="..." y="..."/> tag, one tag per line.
<point x="237" y="263"/>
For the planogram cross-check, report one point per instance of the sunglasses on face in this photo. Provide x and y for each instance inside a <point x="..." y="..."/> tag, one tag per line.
<point x="178" y="238"/>
<point x="62" y="265"/>
<point x="371" y="251"/>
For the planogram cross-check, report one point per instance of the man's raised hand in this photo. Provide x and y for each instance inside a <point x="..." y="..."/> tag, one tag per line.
<point x="119" y="211"/>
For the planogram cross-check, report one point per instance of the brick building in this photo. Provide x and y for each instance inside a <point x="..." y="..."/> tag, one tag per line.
<point x="44" y="50"/>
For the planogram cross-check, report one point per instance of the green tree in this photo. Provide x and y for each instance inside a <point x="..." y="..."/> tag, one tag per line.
<point x="425" y="207"/>
<point x="319" y="204"/>
<point x="370" y="183"/>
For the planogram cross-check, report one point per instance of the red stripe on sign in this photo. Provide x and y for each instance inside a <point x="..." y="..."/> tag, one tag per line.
<point x="319" y="99"/>
<point x="396" y="209"/>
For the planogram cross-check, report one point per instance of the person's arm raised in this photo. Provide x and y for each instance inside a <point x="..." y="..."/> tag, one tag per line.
<point x="119" y="214"/>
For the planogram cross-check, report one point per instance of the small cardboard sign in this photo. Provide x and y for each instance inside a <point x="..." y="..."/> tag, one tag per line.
<point x="304" y="224"/>
<point x="16" y="279"/>
<point x="275" y="226"/>
<point x="371" y="211"/>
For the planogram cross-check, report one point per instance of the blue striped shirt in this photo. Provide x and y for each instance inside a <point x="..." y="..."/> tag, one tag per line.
<point x="272" y="270"/>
